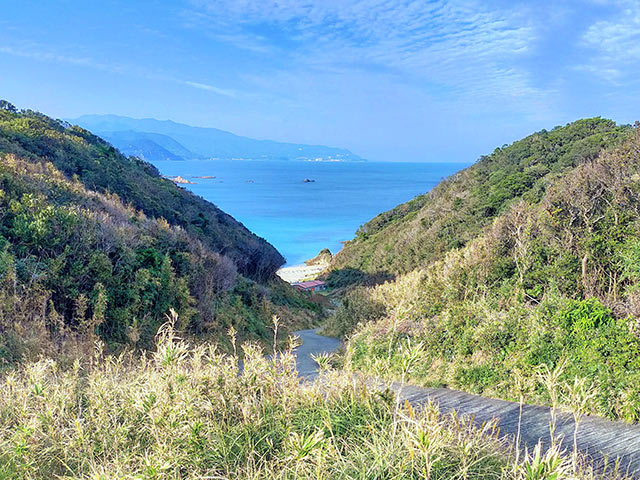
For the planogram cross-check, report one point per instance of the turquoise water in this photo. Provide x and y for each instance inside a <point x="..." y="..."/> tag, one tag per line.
<point x="300" y="219"/>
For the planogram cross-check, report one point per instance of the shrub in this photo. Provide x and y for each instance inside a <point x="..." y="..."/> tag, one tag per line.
<point x="356" y="308"/>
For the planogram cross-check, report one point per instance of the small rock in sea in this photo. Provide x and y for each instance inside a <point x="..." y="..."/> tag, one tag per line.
<point x="250" y="181"/>
<point x="179" y="179"/>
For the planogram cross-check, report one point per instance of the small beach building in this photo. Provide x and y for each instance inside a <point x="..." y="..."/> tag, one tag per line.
<point x="312" y="286"/>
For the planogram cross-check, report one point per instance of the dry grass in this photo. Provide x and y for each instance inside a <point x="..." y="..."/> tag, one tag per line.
<point x="186" y="412"/>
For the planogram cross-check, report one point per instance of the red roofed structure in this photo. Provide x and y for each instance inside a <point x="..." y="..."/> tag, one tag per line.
<point x="311" y="286"/>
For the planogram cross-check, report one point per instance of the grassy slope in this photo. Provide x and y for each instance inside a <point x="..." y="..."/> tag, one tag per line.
<point x="188" y="413"/>
<point x="551" y="281"/>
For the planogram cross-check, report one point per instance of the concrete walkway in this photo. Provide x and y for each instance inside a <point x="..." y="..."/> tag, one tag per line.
<point x="603" y="440"/>
<point x="312" y="344"/>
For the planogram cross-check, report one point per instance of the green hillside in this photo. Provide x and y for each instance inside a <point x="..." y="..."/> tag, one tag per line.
<point x="454" y="213"/>
<point x="98" y="166"/>
<point x="92" y="242"/>
<point x="524" y="263"/>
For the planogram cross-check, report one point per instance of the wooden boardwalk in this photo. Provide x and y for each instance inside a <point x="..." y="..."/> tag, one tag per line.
<point x="602" y="440"/>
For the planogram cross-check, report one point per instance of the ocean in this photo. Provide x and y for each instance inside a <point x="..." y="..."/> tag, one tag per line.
<point x="272" y="200"/>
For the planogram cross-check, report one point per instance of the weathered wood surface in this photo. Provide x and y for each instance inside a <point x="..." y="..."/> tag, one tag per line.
<point x="602" y="440"/>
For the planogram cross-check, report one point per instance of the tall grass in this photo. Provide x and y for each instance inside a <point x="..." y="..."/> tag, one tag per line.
<point x="188" y="412"/>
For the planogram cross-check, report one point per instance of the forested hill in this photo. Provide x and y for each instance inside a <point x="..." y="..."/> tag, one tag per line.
<point x="93" y="242"/>
<point x="452" y="214"/>
<point x="98" y="166"/>
<point x="524" y="266"/>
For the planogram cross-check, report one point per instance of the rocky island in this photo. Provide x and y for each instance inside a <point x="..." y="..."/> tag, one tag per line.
<point x="179" y="179"/>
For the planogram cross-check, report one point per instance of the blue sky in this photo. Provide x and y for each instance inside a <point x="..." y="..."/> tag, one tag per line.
<point x="399" y="80"/>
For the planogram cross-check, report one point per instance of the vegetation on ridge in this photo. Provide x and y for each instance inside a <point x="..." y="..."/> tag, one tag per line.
<point x="99" y="167"/>
<point x="455" y="211"/>
<point x="93" y="243"/>
<point x="552" y="279"/>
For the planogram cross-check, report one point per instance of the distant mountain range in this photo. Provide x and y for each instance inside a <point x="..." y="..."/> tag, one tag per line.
<point x="155" y="140"/>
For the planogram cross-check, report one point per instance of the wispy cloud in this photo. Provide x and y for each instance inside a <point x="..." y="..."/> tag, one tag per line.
<point x="210" y="88"/>
<point x="40" y="54"/>
<point x="615" y="43"/>
<point x="460" y="46"/>
<point x="36" y="53"/>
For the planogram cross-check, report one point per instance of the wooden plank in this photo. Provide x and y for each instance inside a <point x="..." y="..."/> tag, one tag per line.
<point x="597" y="437"/>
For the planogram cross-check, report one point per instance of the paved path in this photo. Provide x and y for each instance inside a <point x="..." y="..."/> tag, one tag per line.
<point x="312" y="344"/>
<point x="601" y="439"/>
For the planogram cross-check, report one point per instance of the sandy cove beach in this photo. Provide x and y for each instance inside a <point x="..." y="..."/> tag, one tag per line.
<point x="297" y="273"/>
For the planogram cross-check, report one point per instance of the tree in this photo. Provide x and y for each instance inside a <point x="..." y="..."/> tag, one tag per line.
<point x="4" y="105"/>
